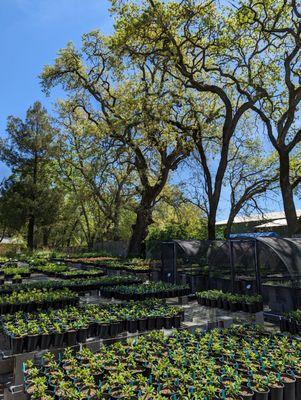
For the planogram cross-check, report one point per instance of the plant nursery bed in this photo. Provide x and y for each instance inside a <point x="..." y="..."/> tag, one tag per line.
<point x="79" y="273"/>
<point x="145" y="291"/>
<point x="67" y="327"/>
<point x="30" y="300"/>
<point x="134" y="266"/>
<point x="230" y="301"/>
<point x="233" y="364"/>
<point x="76" y="285"/>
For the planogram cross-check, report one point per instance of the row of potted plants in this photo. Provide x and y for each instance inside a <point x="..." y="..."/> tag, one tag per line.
<point x="230" y="301"/>
<point x="77" y="285"/>
<point x="145" y="291"/>
<point x="29" y="300"/>
<point x="80" y="273"/>
<point x="64" y="272"/>
<point x="13" y="279"/>
<point x="72" y="325"/>
<point x="240" y="363"/>
<point x="134" y="265"/>
<point x="50" y="269"/>
<point x="11" y="271"/>
<point x="291" y="322"/>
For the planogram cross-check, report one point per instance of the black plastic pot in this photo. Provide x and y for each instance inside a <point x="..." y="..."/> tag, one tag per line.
<point x="289" y="392"/>
<point x="81" y="335"/>
<point x="160" y="322"/>
<point x="45" y="341"/>
<point x="122" y="326"/>
<point x="104" y="331"/>
<point x="213" y="302"/>
<point x="252" y="307"/>
<point x="226" y="305"/>
<point x="246" y="393"/>
<point x="168" y="322"/>
<point x="32" y="342"/>
<point x="219" y="303"/>
<point x="292" y="326"/>
<point x="176" y="321"/>
<point x="151" y="323"/>
<point x="132" y="326"/>
<point x="298" y="387"/>
<point x="261" y="395"/>
<point x="207" y="302"/>
<point x="58" y="339"/>
<point x="92" y="331"/>
<point x="142" y="324"/>
<point x="114" y="329"/>
<point x="17" y="344"/>
<point x="276" y="393"/>
<point x="283" y="324"/>
<point x="71" y="338"/>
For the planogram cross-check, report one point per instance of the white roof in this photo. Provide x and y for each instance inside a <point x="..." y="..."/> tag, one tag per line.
<point x="273" y="224"/>
<point x="275" y="215"/>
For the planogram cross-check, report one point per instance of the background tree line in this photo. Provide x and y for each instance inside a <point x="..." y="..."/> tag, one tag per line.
<point x="212" y="90"/>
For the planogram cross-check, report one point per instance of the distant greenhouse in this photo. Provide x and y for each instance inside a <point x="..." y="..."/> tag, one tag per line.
<point x="265" y="222"/>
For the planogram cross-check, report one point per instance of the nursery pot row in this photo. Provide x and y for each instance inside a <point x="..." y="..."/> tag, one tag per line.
<point x="224" y="304"/>
<point x="144" y="296"/>
<point x="11" y="308"/>
<point x="95" y="329"/>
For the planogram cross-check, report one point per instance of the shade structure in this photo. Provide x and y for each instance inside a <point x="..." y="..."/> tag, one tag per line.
<point x="288" y="250"/>
<point x="275" y="255"/>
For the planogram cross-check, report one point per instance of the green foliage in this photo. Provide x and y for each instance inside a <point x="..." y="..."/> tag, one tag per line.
<point x="29" y="197"/>
<point x="207" y="364"/>
<point x="175" y="79"/>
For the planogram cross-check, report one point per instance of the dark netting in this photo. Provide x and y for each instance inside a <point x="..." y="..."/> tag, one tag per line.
<point x="239" y="264"/>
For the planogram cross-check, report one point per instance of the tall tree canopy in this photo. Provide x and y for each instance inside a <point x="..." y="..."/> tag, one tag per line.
<point x="29" y="196"/>
<point x="133" y="106"/>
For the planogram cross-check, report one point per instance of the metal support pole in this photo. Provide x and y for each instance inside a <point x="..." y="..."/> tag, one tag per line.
<point x="232" y="266"/>
<point x="174" y="266"/>
<point x="257" y="268"/>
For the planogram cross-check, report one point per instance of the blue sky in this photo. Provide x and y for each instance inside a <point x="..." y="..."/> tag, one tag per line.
<point x="32" y="32"/>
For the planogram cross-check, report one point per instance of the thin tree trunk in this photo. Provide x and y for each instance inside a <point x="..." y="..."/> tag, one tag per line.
<point x="229" y="224"/>
<point x="30" y="232"/>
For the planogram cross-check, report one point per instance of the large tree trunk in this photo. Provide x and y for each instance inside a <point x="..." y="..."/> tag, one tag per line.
<point x="211" y="227"/>
<point x="140" y="231"/>
<point x="287" y="194"/>
<point x="213" y="204"/>
<point x="30" y="232"/>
